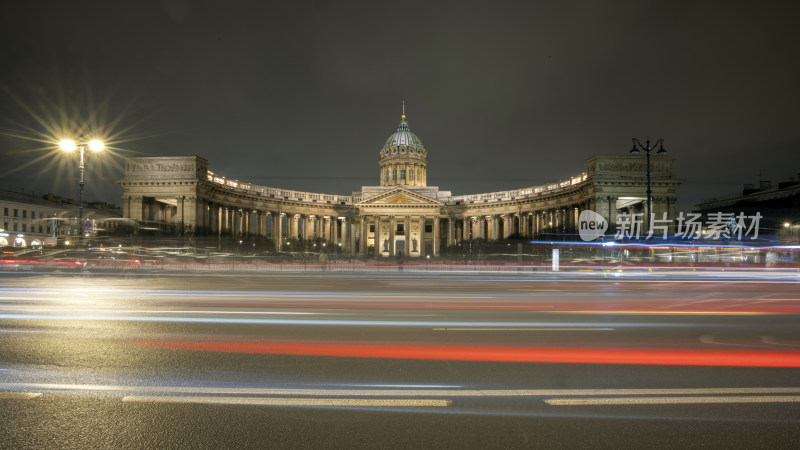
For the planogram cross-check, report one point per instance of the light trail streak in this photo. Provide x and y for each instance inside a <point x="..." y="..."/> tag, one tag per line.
<point x="666" y="312"/>
<point x="284" y="401"/>
<point x="670" y="400"/>
<point x="573" y="355"/>
<point x="330" y="322"/>
<point x="162" y="311"/>
<point x="206" y="390"/>
<point x="526" y="329"/>
<point x="210" y="293"/>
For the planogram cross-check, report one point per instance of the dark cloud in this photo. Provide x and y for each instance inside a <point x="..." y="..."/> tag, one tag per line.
<point x="303" y="94"/>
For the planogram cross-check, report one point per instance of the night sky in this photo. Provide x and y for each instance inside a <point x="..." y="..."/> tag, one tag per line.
<point x="302" y="95"/>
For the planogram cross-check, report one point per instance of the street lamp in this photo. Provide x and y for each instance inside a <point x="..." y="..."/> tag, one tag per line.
<point x="70" y="146"/>
<point x="647" y="148"/>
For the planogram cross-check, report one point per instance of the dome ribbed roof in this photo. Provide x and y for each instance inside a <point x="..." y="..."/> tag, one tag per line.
<point x="403" y="136"/>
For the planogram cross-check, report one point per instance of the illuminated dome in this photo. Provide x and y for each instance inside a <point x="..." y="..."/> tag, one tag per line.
<point x="404" y="160"/>
<point x="403" y="136"/>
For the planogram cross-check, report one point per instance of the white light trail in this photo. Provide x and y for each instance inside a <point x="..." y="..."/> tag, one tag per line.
<point x="284" y="401"/>
<point x="670" y="400"/>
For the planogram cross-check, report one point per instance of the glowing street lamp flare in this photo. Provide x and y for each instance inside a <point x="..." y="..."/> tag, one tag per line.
<point x="68" y="146"/>
<point x="96" y="145"/>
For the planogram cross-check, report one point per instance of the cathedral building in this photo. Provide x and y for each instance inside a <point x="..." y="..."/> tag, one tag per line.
<point x="402" y="215"/>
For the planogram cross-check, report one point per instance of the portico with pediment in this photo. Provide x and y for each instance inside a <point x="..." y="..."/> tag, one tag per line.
<point x="399" y="221"/>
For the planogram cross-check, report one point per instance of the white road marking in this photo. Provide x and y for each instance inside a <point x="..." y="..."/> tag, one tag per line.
<point x="18" y="395"/>
<point x="284" y="401"/>
<point x="527" y="329"/>
<point x="772" y="341"/>
<point x="669" y="400"/>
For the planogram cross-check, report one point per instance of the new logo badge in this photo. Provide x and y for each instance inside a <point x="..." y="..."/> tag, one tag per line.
<point x="591" y="225"/>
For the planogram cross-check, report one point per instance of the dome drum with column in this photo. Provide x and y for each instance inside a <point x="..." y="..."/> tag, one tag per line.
<point x="404" y="159"/>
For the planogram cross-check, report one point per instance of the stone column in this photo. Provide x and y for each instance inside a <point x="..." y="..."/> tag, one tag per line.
<point x="277" y="230"/>
<point x="612" y="214"/>
<point x="181" y="212"/>
<point x="377" y="239"/>
<point x="362" y="242"/>
<point x="392" y="236"/>
<point x="436" y="240"/>
<point x="524" y="224"/>
<point x="474" y="233"/>
<point x="451" y="232"/>
<point x="407" y="236"/>
<point x="213" y="227"/>
<point x="237" y="222"/>
<point x="344" y="238"/>
<point x="135" y="210"/>
<point x="423" y="219"/>
<point x="190" y="212"/>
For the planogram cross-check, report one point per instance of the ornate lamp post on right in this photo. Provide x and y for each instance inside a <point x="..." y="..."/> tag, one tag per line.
<point x="647" y="148"/>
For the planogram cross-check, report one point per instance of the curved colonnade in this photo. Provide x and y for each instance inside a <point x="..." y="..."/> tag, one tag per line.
<point x="395" y="220"/>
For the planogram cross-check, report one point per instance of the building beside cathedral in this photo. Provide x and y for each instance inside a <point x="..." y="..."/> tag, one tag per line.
<point x="400" y="216"/>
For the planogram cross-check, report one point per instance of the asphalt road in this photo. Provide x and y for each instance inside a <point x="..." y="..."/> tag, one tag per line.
<point x="403" y="360"/>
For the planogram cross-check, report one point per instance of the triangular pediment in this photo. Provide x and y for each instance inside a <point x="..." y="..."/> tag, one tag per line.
<point x="399" y="197"/>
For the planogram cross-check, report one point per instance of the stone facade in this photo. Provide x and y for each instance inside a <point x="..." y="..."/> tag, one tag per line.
<point x="402" y="216"/>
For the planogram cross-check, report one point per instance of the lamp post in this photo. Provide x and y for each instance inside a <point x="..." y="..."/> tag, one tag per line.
<point x="647" y="148"/>
<point x="70" y="146"/>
